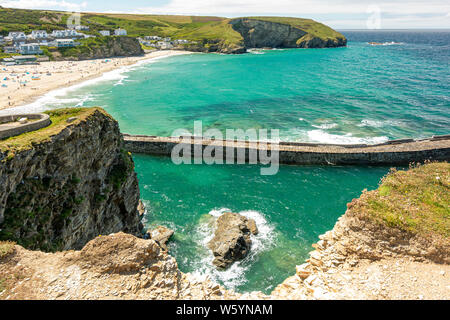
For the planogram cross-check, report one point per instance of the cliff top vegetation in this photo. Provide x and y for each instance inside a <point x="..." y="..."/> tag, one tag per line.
<point x="201" y="28"/>
<point x="59" y="122"/>
<point x="416" y="201"/>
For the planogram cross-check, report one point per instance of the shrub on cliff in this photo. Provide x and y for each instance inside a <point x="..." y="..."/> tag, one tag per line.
<point x="416" y="201"/>
<point x="6" y="248"/>
<point x="409" y="213"/>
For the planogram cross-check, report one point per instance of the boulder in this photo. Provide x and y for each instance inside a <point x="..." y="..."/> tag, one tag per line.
<point x="161" y="235"/>
<point x="231" y="240"/>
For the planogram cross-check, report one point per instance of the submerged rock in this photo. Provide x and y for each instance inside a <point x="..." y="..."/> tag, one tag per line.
<point x="231" y="240"/>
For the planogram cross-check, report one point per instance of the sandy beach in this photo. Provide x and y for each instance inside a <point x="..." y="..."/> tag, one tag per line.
<point x="23" y="84"/>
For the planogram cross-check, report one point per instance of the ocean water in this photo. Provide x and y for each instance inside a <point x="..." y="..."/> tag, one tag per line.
<point x="361" y="93"/>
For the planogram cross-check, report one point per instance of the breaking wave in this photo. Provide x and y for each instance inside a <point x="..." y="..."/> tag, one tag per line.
<point x="234" y="276"/>
<point x="324" y="137"/>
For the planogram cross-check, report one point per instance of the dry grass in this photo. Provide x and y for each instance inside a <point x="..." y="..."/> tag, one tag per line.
<point x="416" y="200"/>
<point x="6" y="248"/>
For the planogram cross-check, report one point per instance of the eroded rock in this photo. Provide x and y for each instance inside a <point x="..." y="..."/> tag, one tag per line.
<point x="161" y="235"/>
<point x="231" y="240"/>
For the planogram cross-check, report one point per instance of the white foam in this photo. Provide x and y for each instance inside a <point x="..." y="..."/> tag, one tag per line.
<point x="377" y="123"/>
<point x="255" y="51"/>
<point x="234" y="276"/>
<point x="326" y="126"/>
<point x="56" y="96"/>
<point x="324" y="137"/>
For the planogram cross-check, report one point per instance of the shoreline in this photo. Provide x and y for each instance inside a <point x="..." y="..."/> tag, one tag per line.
<point x="22" y="90"/>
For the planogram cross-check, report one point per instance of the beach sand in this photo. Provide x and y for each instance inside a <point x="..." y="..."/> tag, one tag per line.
<point x="25" y="83"/>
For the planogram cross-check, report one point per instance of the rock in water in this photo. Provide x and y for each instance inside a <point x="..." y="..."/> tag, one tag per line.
<point x="161" y="235"/>
<point x="231" y="240"/>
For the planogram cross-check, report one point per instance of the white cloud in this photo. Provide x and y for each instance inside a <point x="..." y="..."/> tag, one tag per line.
<point x="297" y="7"/>
<point x="43" y="4"/>
<point x="336" y="13"/>
<point x="402" y="22"/>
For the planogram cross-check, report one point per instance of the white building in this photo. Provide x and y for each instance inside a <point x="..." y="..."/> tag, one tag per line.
<point x="10" y="49"/>
<point x="17" y="36"/>
<point x="82" y="28"/>
<point x="152" y="38"/>
<point x="120" y="32"/>
<point x="105" y="33"/>
<point x="181" y="41"/>
<point x="30" y="48"/>
<point x="39" y="34"/>
<point x="64" y="43"/>
<point x="164" y="45"/>
<point x="68" y="33"/>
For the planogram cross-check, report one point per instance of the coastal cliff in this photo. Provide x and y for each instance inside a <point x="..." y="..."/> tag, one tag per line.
<point x="283" y="33"/>
<point x="63" y="185"/>
<point x="392" y="243"/>
<point x="238" y="35"/>
<point x="205" y="33"/>
<point x="100" y="48"/>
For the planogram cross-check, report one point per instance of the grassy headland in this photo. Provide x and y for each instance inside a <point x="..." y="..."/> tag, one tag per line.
<point x="416" y="201"/>
<point x="204" y="30"/>
<point x="59" y="122"/>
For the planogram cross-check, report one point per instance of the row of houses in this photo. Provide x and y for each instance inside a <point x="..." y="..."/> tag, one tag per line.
<point x="156" y="38"/>
<point x="35" y="48"/>
<point x="117" y="32"/>
<point x="162" y="43"/>
<point x="42" y="35"/>
<point x="30" y="44"/>
<point x="19" y="60"/>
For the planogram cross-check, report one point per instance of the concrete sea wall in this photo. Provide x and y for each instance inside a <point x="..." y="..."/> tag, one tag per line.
<point x="396" y="152"/>
<point x="40" y="121"/>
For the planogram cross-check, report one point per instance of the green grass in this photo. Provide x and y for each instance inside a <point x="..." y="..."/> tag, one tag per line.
<point x="312" y="27"/>
<point x="58" y="117"/>
<point x="416" y="200"/>
<point x="28" y="20"/>
<point x="6" y="248"/>
<point x="197" y="28"/>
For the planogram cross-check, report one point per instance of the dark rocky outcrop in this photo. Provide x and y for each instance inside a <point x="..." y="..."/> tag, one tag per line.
<point x="259" y="34"/>
<point x="270" y="32"/>
<point x="262" y="34"/>
<point x="70" y="188"/>
<point x="231" y="240"/>
<point x="105" y="47"/>
<point x="209" y="46"/>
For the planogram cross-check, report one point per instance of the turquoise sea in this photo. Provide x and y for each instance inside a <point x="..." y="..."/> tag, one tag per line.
<point x="361" y="93"/>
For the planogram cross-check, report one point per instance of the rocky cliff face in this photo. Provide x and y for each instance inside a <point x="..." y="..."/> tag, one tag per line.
<point x="209" y="46"/>
<point x="108" y="47"/>
<point x="118" y="266"/>
<point x="260" y="34"/>
<point x="70" y="188"/>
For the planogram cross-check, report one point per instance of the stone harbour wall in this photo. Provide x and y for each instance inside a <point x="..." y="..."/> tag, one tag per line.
<point x="41" y="121"/>
<point x="396" y="152"/>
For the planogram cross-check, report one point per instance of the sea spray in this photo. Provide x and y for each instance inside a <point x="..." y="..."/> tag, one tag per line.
<point x="235" y="275"/>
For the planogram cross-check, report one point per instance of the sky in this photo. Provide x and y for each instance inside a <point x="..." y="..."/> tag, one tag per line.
<point x="339" y="14"/>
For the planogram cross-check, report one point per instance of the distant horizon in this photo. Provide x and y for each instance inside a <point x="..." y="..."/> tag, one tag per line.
<point x="342" y="14"/>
